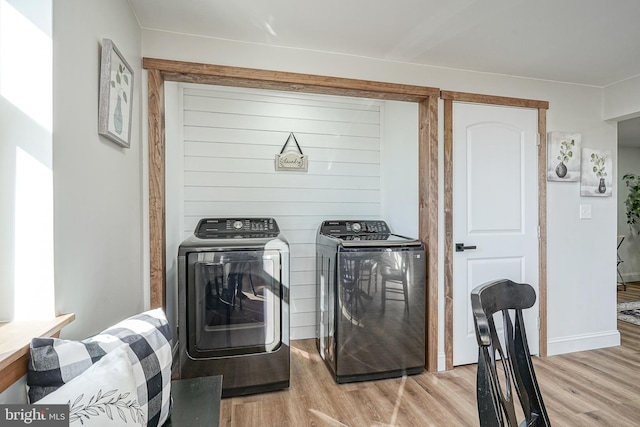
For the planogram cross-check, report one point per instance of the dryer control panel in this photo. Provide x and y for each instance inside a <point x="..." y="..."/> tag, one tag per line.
<point x="238" y="228"/>
<point x="345" y="228"/>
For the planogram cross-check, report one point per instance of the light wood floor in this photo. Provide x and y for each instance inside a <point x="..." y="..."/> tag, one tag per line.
<point x="591" y="388"/>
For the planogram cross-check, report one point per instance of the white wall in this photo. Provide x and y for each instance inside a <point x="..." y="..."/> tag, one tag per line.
<point x="174" y="212"/>
<point x="582" y="254"/>
<point x="98" y="185"/>
<point x="628" y="162"/>
<point x="621" y="100"/>
<point x="400" y="167"/>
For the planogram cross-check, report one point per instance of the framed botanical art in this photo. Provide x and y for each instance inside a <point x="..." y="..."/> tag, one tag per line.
<point x="563" y="156"/>
<point x="116" y="95"/>
<point x="597" y="170"/>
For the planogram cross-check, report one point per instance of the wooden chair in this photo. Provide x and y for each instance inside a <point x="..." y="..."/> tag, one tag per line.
<point x="514" y="369"/>
<point x="394" y="271"/>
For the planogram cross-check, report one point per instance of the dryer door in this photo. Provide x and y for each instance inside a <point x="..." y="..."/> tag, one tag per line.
<point x="234" y="303"/>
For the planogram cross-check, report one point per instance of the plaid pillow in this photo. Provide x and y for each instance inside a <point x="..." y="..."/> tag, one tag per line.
<point x="104" y="395"/>
<point x="54" y="362"/>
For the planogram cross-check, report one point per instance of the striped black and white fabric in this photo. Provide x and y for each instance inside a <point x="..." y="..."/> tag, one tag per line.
<point x="54" y="362"/>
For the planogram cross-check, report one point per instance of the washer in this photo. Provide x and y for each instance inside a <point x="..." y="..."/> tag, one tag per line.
<point x="233" y="296"/>
<point x="371" y="301"/>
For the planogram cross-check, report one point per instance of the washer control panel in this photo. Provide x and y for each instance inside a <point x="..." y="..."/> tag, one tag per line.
<point x="225" y="228"/>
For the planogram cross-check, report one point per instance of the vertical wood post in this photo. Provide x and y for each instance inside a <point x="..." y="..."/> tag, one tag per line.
<point x="157" y="189"/>
<point x="448" y="232"/>
<point x="428" y="218"/>
<point x="542" y="223"/>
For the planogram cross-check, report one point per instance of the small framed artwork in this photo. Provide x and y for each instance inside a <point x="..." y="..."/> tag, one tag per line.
<point x="116" y="95"/>
<point x="563" y="156"/>
<point x="596" y="173"/>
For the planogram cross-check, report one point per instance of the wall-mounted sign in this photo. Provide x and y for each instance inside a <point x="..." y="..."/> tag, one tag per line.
<point x="291" y="160"/>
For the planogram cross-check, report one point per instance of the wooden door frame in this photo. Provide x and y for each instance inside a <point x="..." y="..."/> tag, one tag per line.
<point x="542" y="107"/>
<point x="160" y="70"/>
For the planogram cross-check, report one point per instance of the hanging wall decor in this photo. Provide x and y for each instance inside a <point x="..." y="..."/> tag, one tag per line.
<point x="563" y="156"/>
<point x="291" y="160"/>
<point x="116" y="95"/>
<point x="596" y="173"/>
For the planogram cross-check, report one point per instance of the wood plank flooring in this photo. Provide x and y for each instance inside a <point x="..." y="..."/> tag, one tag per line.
<point x="591" y="388"/>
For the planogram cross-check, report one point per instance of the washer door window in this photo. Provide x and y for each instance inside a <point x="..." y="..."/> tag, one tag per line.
<point x="237" y="303"/>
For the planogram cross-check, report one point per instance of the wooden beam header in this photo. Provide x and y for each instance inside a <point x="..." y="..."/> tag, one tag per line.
<point x="190" y="72"/>
<point x="495" y="100"/>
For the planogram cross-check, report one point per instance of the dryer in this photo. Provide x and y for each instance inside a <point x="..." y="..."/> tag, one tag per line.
<point x="233" y="296"/>
<point x="371" y="286"/>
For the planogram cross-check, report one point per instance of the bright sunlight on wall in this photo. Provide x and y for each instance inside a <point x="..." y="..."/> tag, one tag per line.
<point x="26" y="189"/>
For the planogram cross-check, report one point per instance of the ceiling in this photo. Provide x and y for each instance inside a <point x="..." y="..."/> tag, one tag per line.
<point x="591" y="42"/>
<point x="588" y="42"/>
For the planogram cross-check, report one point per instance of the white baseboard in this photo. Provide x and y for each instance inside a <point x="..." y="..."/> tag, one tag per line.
<point x="583" y="342"/>
<point x="570" y="344"/>
<point x="442" y="361"/>
<point x="565" y="345"/>
<point x="303" y="332"/>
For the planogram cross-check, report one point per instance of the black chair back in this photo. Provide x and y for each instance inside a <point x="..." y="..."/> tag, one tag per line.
<point x="504" y="365"/>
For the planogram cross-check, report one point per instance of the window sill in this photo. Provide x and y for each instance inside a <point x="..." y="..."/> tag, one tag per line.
<point x="15" y="338"/>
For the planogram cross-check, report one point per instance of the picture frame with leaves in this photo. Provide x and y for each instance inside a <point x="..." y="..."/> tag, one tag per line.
<point x="116" y="95"/>
<point x="597" y="172"/>
<point x="563" y="156"/>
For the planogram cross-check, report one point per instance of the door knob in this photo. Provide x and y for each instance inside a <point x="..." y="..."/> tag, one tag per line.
<point x="460" y="247"/>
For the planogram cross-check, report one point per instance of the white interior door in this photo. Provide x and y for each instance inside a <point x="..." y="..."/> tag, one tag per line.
<point x="495" y="210"/>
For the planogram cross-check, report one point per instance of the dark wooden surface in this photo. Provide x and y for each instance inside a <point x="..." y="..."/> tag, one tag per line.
<point x="196" y="402"/>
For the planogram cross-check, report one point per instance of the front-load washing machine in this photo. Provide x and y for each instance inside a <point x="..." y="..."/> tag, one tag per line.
<point x="371" y="288"/>
<point x="233" y="312"/>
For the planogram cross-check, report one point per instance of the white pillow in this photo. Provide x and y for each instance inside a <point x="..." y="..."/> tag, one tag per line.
<point x="103" y="395"/>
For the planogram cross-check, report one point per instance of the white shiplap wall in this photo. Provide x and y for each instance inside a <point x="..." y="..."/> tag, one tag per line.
<point x="230" y="139"/>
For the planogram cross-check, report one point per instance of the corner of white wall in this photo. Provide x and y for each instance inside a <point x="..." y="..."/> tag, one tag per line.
<point x="98" y="185"/>
<point x="620" y="100"/>
<point x="16" y="394"/>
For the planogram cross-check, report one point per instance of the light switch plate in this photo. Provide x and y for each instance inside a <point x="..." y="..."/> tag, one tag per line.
<point x="585" y="211"/>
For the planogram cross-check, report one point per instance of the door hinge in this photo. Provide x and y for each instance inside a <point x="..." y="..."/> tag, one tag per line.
<point x="538" y="139"/>
<point x="539" y="233"/>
